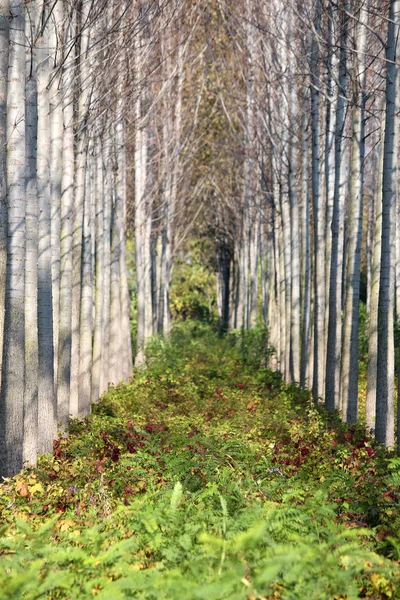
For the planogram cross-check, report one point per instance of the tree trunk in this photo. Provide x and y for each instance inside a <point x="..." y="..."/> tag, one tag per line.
<point x="115" y="374"/>
<point x="140" y="213"/>
<point x="86" y="307"/>
<point x="385" y="362"/>
<point x="305" y="251"/>
<point x="56" y="36"/>
<point x="67" y="201"/>
<point x="349" y="375"/>
<point x="98" y="341"/>
<point x="318" y="212"/>
<point x="370" y="408"/>
<point x="4" y="53"/>
<point x="47" y="427"/>
<point x="295" y="248"/>
<point x="31" y="258"/>
<point x="333" y="354"/>
<point x="107" y="165"/>
<point x="79" y="202"/>
<point x="12" y="388"/>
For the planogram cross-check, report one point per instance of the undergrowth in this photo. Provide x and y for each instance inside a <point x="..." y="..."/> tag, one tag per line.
<point x="205" y="478"/>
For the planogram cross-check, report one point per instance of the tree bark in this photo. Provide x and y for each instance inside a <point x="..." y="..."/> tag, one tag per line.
<point x="4" y="54"/>
<point x="66" y="227"/>
<point x="13" y="378"/>
<point x="31" y="257"/>
<point x="370" y="408"/>
<point x="333" y="354"/>
<point x="47" y="427"/>
<point x="318" y="212"/>
<point x="385" y="363"/>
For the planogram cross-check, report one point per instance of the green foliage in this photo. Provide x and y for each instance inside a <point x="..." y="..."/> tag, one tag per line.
<point x="193" y="287"/>
<point x="363" y="333"/>
<point x="253" y="346"/>
<point x="204" y="479"/>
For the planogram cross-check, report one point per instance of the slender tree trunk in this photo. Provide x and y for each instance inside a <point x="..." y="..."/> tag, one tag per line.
<point x="332" y="387"/>
<point x="318" y="212"/>
<point x="254" y="261"/>
<point x="31" y="257"/>
<point x="115" y="374"/>
<point x="98" y="340"/>
<point x="67" y="200"/>
<point x="86" y="307"/>
<point x="125" y="296"/>
<point x="47" y="401"/>
<point x="286" y="274"/>
<point x="4" y="54"/>
<point x="56" y="146"/>
<point x="385" y="362"/>
<point x="79" y="202"/>
<point x="140" y="180"/>
<point x="278" y="326"/>
<point x="330" y="157"/>
<point x="370" y="231"/>
<point x="349" y="375"/>
<point x="11" y="396"/>
<point x="282" y="296"/>
<point x="107" y="165"/>
<point x="147" y="261"/>
<point x="370" y="408"/>
<point x="295" y="250"/>
<point x="306" y="279"/>
<point x="265" y="250"/>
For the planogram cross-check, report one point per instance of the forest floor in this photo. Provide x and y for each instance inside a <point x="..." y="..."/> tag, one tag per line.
<point x="205" y="478"/>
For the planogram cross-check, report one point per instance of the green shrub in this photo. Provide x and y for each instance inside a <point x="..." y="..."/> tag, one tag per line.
<point x="204" y="478"/>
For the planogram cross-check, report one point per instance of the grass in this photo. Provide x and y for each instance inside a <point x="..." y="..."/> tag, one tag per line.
<point x="205" y="478"/>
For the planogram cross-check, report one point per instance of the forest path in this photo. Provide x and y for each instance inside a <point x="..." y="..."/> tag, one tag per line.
<point x="206" y="477"/>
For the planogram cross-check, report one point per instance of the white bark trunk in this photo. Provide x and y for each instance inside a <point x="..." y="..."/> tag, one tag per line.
<point x="79" y="201"/>
<point x="86" y="308"/>
<point x="115" y="374"/>
<point x="12" y="389"/>
<point x="98" y="336"/>
<point x="66" y="225"/>
<point x="31" y="259"/>
<point x="349" y="374"/>
<point x="333" y="354"/>
<point x="108" y="191"/>
<point x="56" y="35"/>
<point x="295" y="248"/>
<point x="4" y="54"/>
<point x="370" y="408"/>
<point x="47" y="427"/>
<point x="319" y="226"/>
<point x="385" y="362"/>
<point x="305" y="245"/>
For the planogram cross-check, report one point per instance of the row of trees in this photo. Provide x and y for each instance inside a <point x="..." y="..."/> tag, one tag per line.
<point x="270" y="125"/>
<point x="289" y="128"/>
<point x="64" y="299"/>
<point x="319" y="194"/>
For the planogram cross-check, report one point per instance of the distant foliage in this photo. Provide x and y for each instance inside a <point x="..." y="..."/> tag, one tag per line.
<point x="253" y="345"/>
<point x="193" y="292"/>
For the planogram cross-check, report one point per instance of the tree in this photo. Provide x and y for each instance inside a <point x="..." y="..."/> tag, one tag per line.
<point x="385" y="357"/>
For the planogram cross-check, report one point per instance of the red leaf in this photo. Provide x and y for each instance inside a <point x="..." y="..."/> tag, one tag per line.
<point x="115" y="454"/>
